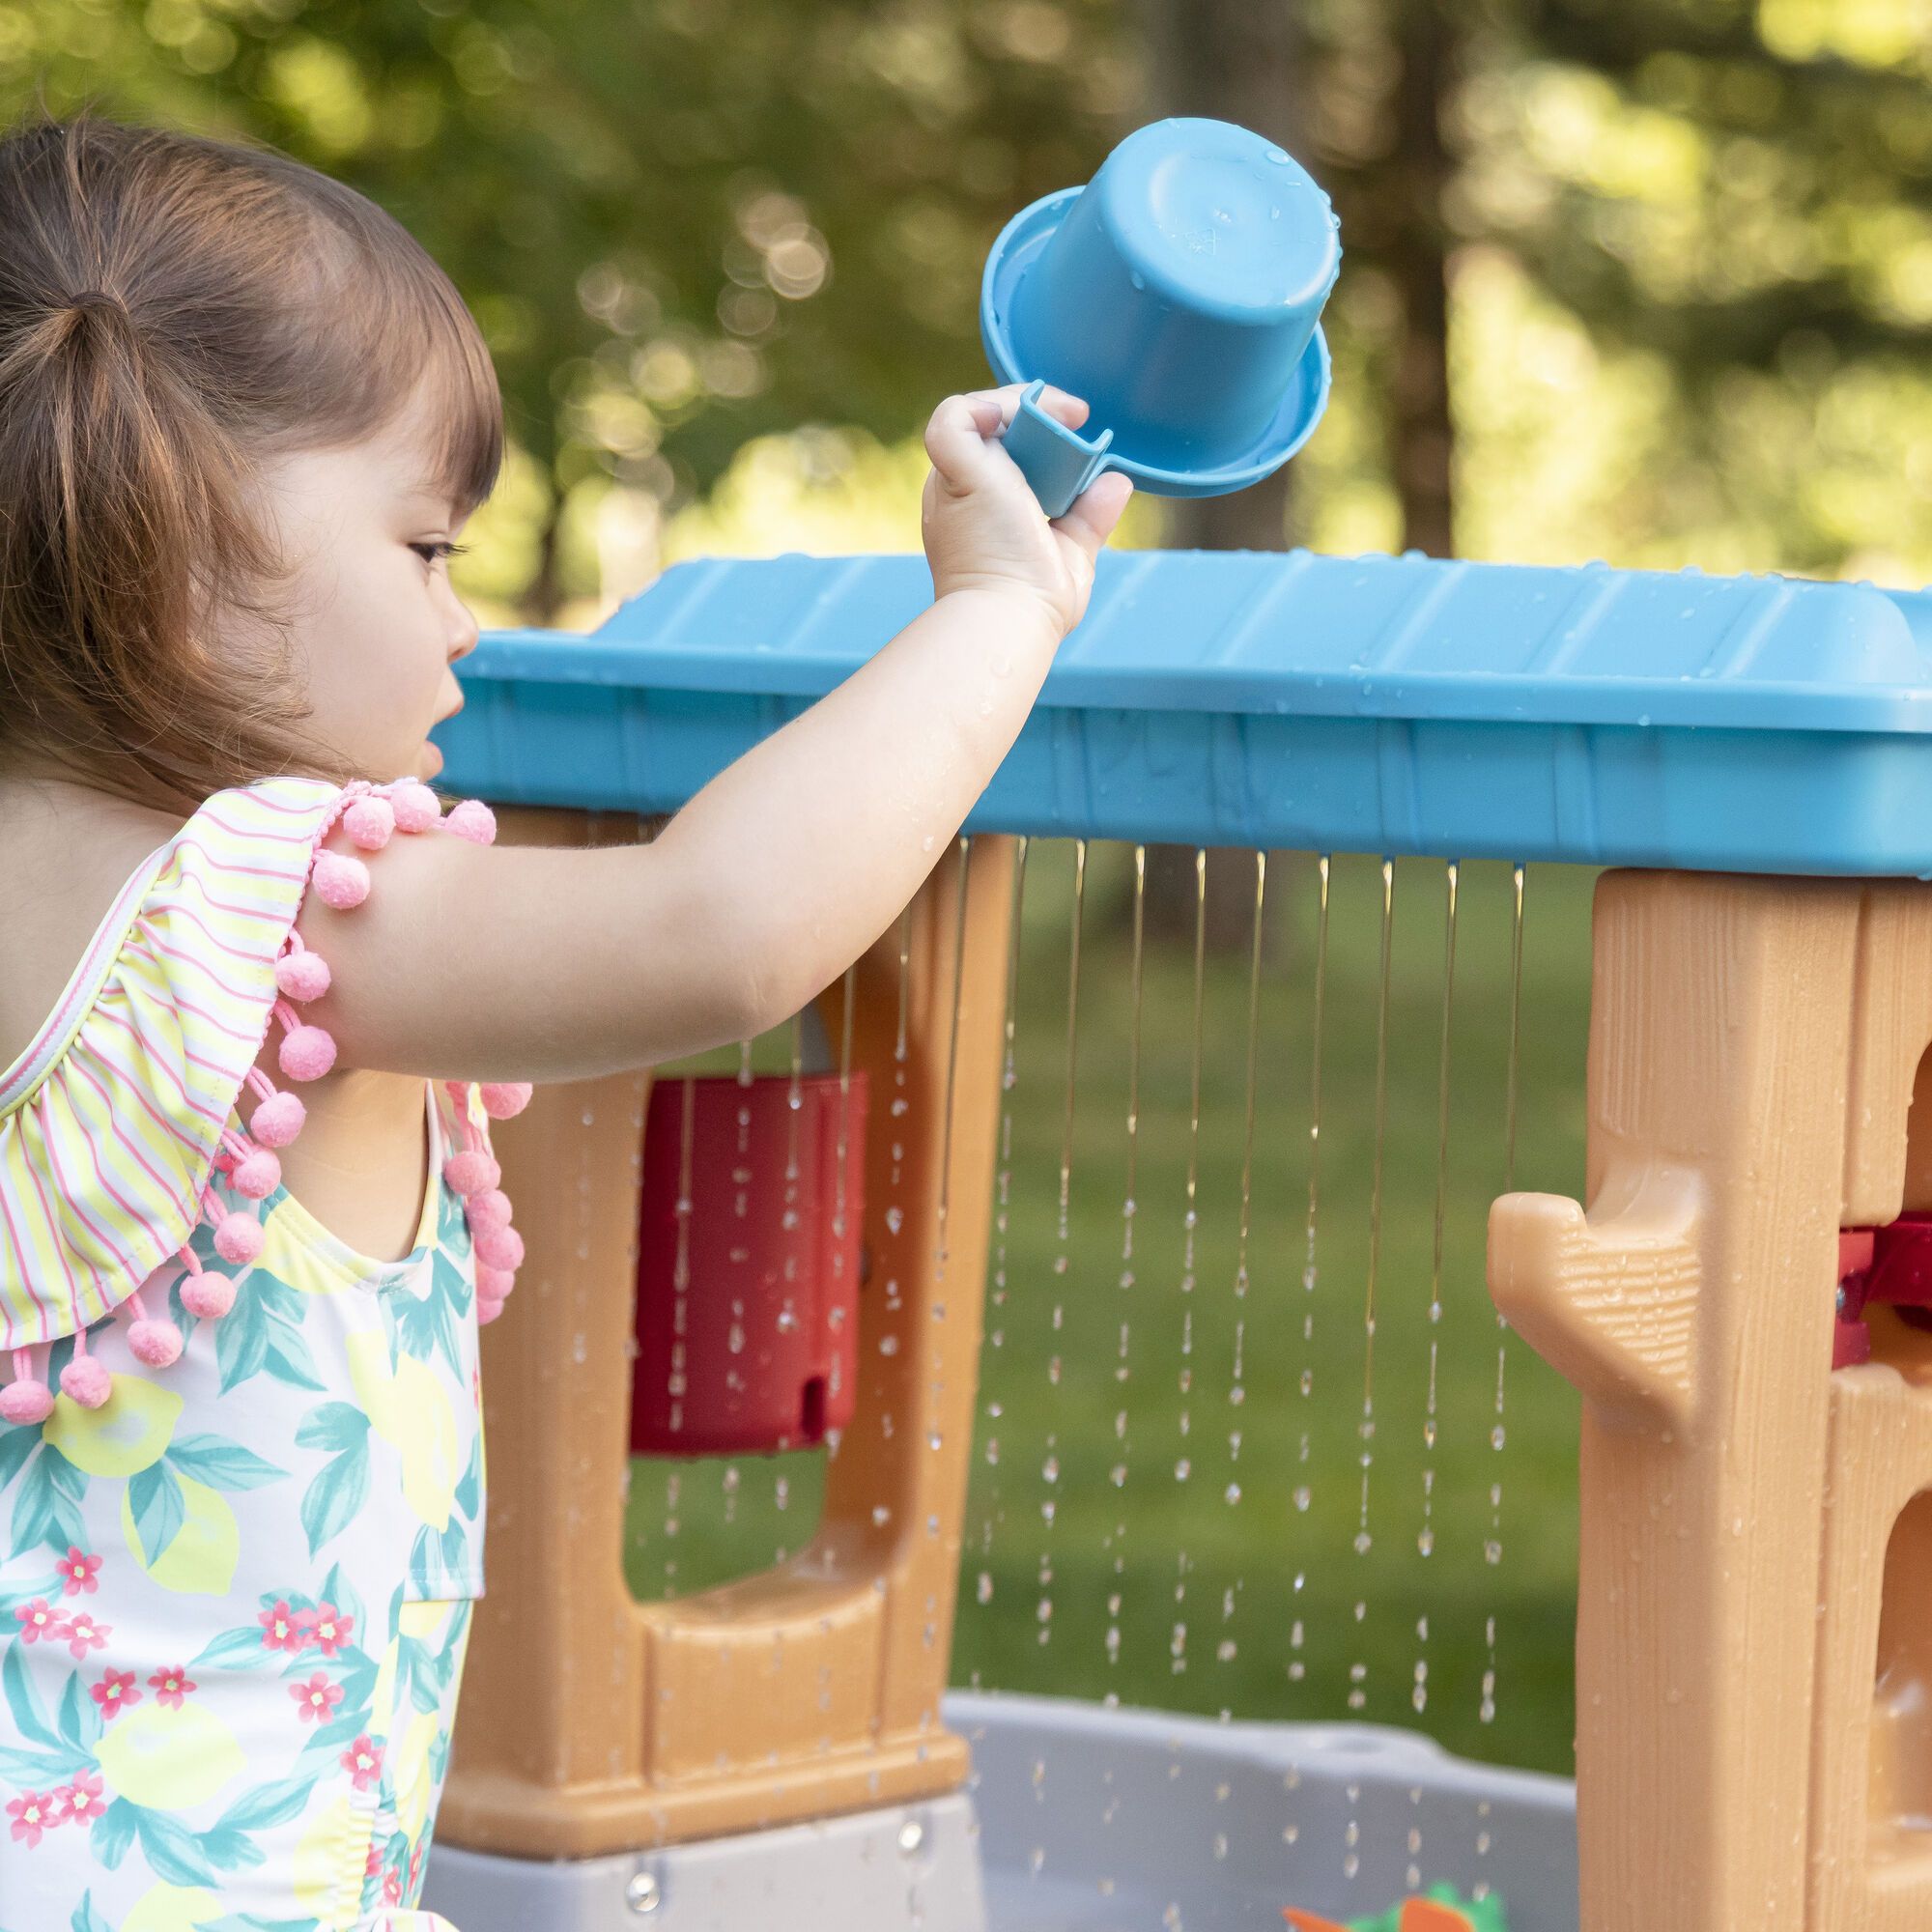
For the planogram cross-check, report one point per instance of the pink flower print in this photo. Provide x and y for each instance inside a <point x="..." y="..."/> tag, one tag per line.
<point x="372" y="1864"/>
<point x="80" y="1573"/>
<point x="415" y="1866"/>
<point x="363" y="1762"/>
<point x="37" y="1620"/>
<point x="115" y="1691"/>
<point x="170" y="1687"/>
<point x="326" y="1628"/>
<point x="83" y="1635"/>
<point x="82" y="1799"/>
<point x="392" y="1885"/>
<point x="282" y="1629"/>
<point x="317" y="1699"/>
<point x="32" y="1813"/>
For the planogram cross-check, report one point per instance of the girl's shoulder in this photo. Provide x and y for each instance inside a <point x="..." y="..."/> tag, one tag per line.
<point x="150" y="1078"/>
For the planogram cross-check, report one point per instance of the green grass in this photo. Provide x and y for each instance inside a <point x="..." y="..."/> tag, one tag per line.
<point x="1134" y="1530"/>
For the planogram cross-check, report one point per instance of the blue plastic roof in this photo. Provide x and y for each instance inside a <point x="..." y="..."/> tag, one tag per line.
<point x="1395" y="704"/>
<point x="1318" y="636"/>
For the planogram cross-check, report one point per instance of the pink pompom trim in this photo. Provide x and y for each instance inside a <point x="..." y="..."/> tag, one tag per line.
<point x="369" y="822"/>
<point x="306" y="1053"/>
<point x="416" y="806"/>
<point x="503" y="1099"/>
<point x="472" y="1171"/>
<point x="278" y="1119"/>
<point x="208" y="1295"/>
<point x="155" y="1343"/>
<point x="24" y="1403"/>
<point x="301" y="975"/>
<point x="496" y="1283"/>
<point x="84" y="1380"/>
<point x="500" y="1247"/>
<point x="472" y="820"/>
<point x="257" y="1174"/>
<point x="488" y="1308"/>
<point x="487" y="1209"/>
<point x="239" y="1239"/>
<point x="340" y="881"/>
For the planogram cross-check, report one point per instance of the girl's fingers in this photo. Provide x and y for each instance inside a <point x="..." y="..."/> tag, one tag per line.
<point x="955" y="440"/>
<point x="1090" y="521"/>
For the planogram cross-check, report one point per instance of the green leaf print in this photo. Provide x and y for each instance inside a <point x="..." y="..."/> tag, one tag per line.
<point x="86" y="1918"/>
<point x="332" y="1426"/>
<point x="451" y="1281"/>
<point x="173" y="1851"/>
<point x="23" y="1703"/>
<point x="159" y="1509"/>
<point x="34" y="1771"/>
<point x="333" y="1499"/>
<point x="113" y="1833"/>
<point x="220" y="1464"/>
<point x="338" y="1590"/>
<point x="232" y="1851"/>
<point x="242" y="1339"/>
<point x="232" y="1650"/>
<point x="17" y="1444"/>
<point x="43" y="1508"/>
<point x="80" y="1719"/>
<point x="469" y="1490"/>
<point x="268" y="1805"/>
<point x="287" y="1357"/>
<point x="48" y="1587"/>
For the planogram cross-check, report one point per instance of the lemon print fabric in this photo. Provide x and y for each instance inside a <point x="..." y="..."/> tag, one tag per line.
<point x="235" y="1599"/>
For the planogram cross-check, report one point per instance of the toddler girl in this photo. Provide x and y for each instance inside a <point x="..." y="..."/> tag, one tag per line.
<point x="250" y="1218"/>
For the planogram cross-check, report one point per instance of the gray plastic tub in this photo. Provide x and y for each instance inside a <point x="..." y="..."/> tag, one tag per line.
<point x="1080" y="1818"/>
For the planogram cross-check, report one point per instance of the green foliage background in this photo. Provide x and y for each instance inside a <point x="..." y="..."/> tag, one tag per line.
<point x="726" y="252"/>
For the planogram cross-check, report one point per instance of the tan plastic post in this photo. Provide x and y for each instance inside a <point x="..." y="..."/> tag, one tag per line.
<point x="591" y="1723"/>
<point x="1753" y="1050"/>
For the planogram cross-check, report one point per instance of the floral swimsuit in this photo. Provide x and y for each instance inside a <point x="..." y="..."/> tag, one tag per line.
<point x="239" y="1547"/>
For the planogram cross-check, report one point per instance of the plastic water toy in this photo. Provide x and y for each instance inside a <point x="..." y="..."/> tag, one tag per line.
<point x="1750" y="757"/>
<point x="1443" y="1908"/>
<point x="751" y="1203"/>
<point x="1180" y="292"/>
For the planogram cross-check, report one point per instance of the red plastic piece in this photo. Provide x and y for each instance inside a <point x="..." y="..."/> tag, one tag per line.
<point x="1901" y="1264"/>
<point x="748" y="1316"/>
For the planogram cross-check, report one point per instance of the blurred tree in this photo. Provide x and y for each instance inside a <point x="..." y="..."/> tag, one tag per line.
<point x="683" y="223"/>
<point x="1741" y="192"/>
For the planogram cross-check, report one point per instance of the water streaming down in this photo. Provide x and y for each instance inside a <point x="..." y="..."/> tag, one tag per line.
<point x="1493" y="1547"/>
<point x="1228" y="1647"/>
<point x="1049" y="1468"/>
<point x="1190" y="1222"/>
<point x="1359" y="1671"/>
<point x="1425" y="1540"/>
<point x="999" y="1283"/>
<point x="1124" y="1364"/>
<point x="1304" y="1487"/>
<point x="1229" y="1071"/>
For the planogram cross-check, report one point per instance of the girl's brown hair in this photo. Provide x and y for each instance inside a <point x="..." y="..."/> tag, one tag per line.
<point x="172" y="313"/>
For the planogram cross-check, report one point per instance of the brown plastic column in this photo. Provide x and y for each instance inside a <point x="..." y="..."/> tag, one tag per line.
<point x="1753" y="1054"/>
<point x="591" y="1723"/>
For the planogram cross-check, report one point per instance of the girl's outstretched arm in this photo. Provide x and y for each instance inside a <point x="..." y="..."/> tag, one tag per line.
<point x="543" y="963"/>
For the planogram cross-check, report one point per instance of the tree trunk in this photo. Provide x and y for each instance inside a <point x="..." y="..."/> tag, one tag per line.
<point x="1421" y="432"/>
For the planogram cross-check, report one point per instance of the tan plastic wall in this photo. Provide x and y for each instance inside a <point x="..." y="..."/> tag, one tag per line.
<point x="592" y="1724"/>
<point x="1740" y="1767"/>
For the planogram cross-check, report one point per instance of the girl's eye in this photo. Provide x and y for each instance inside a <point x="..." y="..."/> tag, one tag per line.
<point x="437" y="551"/>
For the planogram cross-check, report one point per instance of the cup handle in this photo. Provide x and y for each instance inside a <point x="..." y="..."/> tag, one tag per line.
<point x="1057" y="463"/>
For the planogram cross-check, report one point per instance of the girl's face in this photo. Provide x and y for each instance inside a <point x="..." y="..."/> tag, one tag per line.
<point x="366" y="537"/>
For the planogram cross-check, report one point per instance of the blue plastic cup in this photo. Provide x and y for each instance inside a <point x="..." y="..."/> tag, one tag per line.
<point x="1181" y="293"/>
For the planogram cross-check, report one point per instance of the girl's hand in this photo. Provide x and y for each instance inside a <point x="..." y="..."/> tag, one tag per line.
<point x="983" y="528"/>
